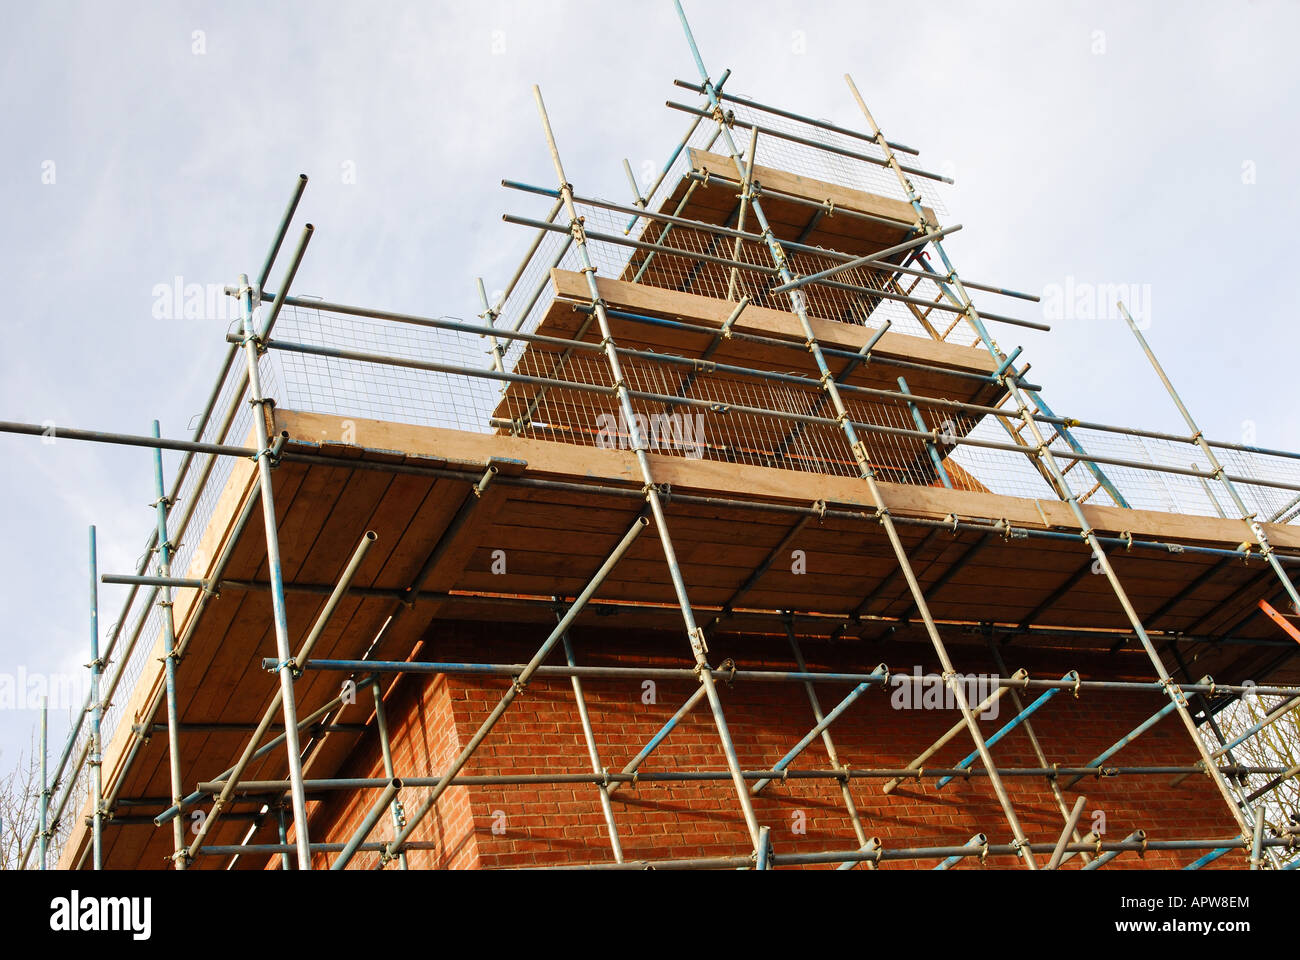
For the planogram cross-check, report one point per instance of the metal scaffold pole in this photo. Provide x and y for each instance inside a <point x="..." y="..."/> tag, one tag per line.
<point x="1248" y="517"/>
<point x="1060" y="485"/>
<point x="97" y="711"/>
<point x="162" y="506"/>
<point x="695" y="635"/>
<point x="43" y="834"/>
<point x="862" y="457"/>
<point x="293" y="746"/>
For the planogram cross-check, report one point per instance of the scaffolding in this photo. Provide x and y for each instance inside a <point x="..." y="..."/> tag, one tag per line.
<point x="766" y="329"/>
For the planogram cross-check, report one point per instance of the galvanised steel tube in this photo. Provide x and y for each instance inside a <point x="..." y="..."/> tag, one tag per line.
<point x="823" y="723"/>
<point x="184" y="583"/>
<point x="793" y="138"/>
<point x="1071" y="822"/>
<point x="44" y="829"/>
<point x="218" y="784"/>
<point x="386" y="750"/>
<point x="237" y="529"/>
<point x="292" y="745"/>
<point x="1112" y="851"/>
<point x="273" y="708"/>
<point x="964" y="299"/>
<point x="367" y="824"/>
<point x="763" y="856"/>
<point x="777" y="112"/>
<point x="1285" y="775"/>
<point x="1247" y="517"/>
<point x="672" y="157"/>
<point x="979" y="841"/>
<point x="870" y="846"/>
<point x="523" y="264"/>
<point x="740" y="233"/>
<point x="517" y="687"/>
<point x="1209" y="858"/>
<point x="170" y="655"/>
<point x="593" y="754"/>
<point x="825" y="206"/>
<point x="822" y="618"/>
<point x="127" y="439"/>
<point x="815" y="702"/>
<point x="258" y="788"/>
<point x="96" y="748"/>
<point x="958" y="727"/>
<point x="287" y="281"/>
<point x="660" y="735"/>
<point x="1277" y="714"/>
<point x="1136" y="841"/>
<point x="1039" y="754"/>
<point x="695" y="635"/>
<point x="179" y="530"/>
<point x="861" y="456"/>
<point x="281" y="231"/>
<point x="870" y="259"/>
<point x="1064" y="492"/>
<point x="1010" y="725"/>
<point x="1129" y="737"/>
<point x="1257" y="842"/>
<point x="776" y="676"/>
<point x="930" y="448"/>
<point x="931" y="304"/>
<point x="641" y="245"/>
<point x="681" y="205"/>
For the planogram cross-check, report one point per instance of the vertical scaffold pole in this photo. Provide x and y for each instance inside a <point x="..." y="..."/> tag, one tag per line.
<point x="1060" y="486"/>
<point x="695" y="635"/>
<point x="815" y="702"/>
<point x="286" y="668"/>
<point x="1247" y="516"/>
<point x="43" y="836"/>
<point x="180" y="857"/>
<point x="590" y="737"/>
<point x="96" y="748"/>
<point x="861" y="456"/>
<point x="386" y="748"/>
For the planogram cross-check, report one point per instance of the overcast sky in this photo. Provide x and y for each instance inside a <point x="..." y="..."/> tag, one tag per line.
<point x="1112" y="143"/>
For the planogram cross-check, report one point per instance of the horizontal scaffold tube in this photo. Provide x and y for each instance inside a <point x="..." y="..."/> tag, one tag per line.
<point x="804" y="141"/>
<point x="442" y="323"/>
<point x="336" y="784"/>
<point x="865" y="426"/>
<point x="772" y="676"/>
<point x="879" y="854"/>
<point x="778" y="112"/>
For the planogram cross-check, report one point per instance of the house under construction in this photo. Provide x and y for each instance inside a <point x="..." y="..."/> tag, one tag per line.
<point x="729" y="535"/>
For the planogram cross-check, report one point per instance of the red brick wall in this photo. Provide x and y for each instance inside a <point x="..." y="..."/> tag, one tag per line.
<point x="430" y="718"/>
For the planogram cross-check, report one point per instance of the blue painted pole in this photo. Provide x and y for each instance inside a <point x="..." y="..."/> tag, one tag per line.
<point x="979" y="840"/>
<point x="826" y="721"/>
<point x="1125" y="740"/>
<point x="1010" y="725"/>
<point x="929" y="447"/>
<point x="288" y="701"/>
<point x="661" y="735"/>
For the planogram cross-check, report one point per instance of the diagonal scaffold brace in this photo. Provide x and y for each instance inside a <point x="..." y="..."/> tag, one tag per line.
<point x="863" y="460"/>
